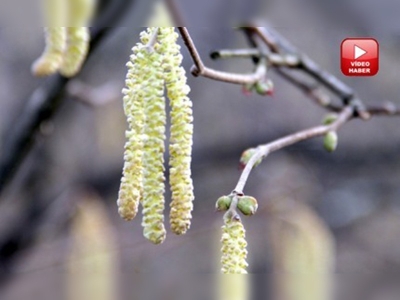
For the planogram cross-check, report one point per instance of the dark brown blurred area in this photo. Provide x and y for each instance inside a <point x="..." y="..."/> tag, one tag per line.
<point x="355" y="190"/>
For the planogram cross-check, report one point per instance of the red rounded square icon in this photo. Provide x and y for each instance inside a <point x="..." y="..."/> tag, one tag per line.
<point x="359" y="57"/>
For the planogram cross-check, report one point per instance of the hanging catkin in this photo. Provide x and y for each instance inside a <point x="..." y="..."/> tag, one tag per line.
<point x="234" y="252"/>
<point x="76" y="52"/>
<point x="55" y="37"/>
<point x="180" y="147"/>
<point x="67" y="36"/>
<point x="131" y="188"/>
<point x="51" y="59"/>
<point x="80" y="13"/>
<point x="154" y="147"/>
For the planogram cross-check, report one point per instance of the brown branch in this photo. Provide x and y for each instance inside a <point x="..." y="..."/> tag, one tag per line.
<point x="264" y="150"/>
<point x="199" y="69"/>
<point x="267" y="40"/>
<point x="278" y="44"/>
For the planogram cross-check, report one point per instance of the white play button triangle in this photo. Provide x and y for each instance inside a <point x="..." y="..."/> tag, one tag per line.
<point x="358" y="52"/>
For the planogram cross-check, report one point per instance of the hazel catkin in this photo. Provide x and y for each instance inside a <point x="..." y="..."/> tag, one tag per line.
<point x="154" y="147"/>
<point x="80" y="13"/>
<point x="51" y="59"/>
<point x="180" y="147"/>
<point x="234" y="252"/>
<point x="131" y="189"/>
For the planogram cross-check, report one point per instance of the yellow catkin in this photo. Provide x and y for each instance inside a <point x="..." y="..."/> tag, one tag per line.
<point x="154" y="145"/>
<point x="181" y="131"/>
<point x="233" y="287"/>
<point x="80" y="13"/>
<point x="160" y="15"/>
<point x="303" y="253"/>
<point x="76" y="52"/>
<point x="55" y="37"/>
<point x="131" y="189"/>
<point x="92" y="263"/>
<point x="234" y="252"/>
<point x="51" y="59"/>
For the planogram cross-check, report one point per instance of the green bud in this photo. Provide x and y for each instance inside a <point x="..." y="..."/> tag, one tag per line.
<point x="246" y="155"/>
<point x="329" y="119"/>
<point x="264" y="87"/>
<point x="223" y="203"/>
<point x="331" y="141"/>
<point x="247" y="205"/>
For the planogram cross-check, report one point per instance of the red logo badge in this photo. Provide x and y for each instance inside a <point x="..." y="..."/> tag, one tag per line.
<point x="359" y="57"/>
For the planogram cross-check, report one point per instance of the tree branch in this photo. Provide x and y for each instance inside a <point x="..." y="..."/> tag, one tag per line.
<point x="264" y="150"/>
<point x="46" y="99"/>
<point x="199" y="69"/>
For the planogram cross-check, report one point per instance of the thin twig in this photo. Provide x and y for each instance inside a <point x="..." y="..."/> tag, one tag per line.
<point x="199" y="69"/>
<point x="278" y="44"/>
<point x="264" y="150"/>
<point x="274" y="59"/>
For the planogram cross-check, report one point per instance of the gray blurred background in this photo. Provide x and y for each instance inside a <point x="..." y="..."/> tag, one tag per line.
<point x="355" y="190"/>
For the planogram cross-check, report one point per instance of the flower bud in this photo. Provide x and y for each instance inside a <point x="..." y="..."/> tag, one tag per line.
<point x="246" y="156"/>
<point x="329" y="118"/>
<point x="331" y="141"/>
<point x="247" y="205"/>
<point x="264" y="88"/>
<point x="223" y="203"/>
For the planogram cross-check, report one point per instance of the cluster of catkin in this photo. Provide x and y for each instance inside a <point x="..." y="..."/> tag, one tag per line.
<point x="67" y="37"/>
<point x="155" y="66"/>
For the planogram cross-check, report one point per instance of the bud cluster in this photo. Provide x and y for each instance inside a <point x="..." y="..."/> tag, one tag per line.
<point x="247" y="205"/>
<point x="154" y="66"/>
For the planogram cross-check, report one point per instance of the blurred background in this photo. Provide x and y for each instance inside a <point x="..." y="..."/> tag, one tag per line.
<point x="60" y="211"/>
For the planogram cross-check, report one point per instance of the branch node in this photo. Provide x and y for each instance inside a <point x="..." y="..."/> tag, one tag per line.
<point x="195" y="71"/>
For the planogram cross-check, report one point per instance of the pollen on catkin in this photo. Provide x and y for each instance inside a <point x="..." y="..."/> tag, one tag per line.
<point x="181" y="134"/>
<point x="76" y="52"/>
<point x="80" y="13"/>
<point x="234" y="252"/>
<point x="154" y="145"/>
<point x="55" y="38"/>
<point x="51" y="59"/>
<point x="131" y="189"/>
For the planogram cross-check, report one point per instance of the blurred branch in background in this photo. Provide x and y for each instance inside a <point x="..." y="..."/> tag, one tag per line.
<point x="46" y="99"/>
<point x="41" y="106"/>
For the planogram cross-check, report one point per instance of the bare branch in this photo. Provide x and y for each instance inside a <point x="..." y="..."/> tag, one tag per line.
<point x="265" y="150"/>
<point x="199" y="69"/>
